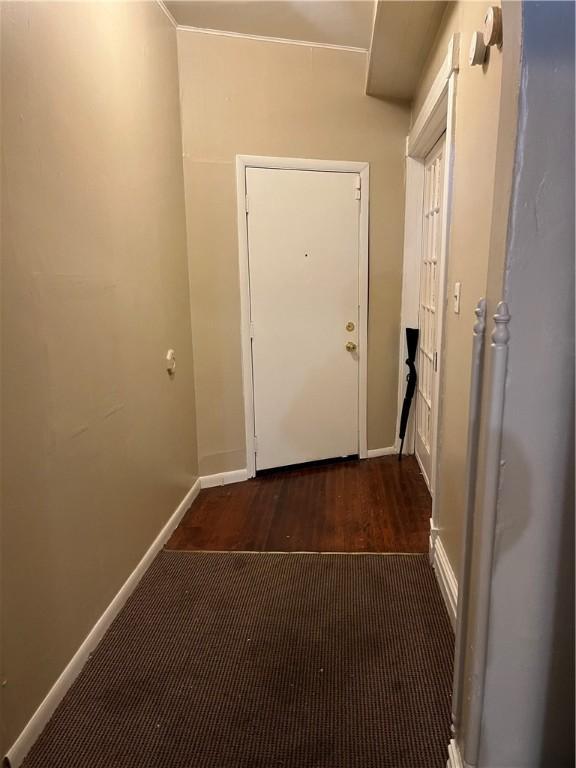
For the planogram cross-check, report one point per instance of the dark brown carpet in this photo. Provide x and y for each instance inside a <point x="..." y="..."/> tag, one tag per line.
<point x="262" y="660"/>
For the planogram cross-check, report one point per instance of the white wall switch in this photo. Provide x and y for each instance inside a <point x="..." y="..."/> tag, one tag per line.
<point x="457" y="287"/>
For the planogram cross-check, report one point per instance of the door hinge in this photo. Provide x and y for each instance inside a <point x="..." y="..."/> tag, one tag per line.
<point x="435" y="362"/>
<point x="246" y="203"/>
<point x="255" y="444"/>
<point x="251" y="329"/>
<point x="357" y="188"/>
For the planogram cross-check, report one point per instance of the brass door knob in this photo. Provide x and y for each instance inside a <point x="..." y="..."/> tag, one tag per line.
<point x="351" y="347"/>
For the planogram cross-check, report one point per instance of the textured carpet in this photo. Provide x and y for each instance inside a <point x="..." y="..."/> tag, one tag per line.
<point x="232" y="660"/>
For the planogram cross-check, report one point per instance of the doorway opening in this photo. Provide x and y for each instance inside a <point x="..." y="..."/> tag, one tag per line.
<point x="429" y="162"/>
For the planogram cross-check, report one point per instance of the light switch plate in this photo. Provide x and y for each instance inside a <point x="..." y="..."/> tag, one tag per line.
<point x="457" y="287"/>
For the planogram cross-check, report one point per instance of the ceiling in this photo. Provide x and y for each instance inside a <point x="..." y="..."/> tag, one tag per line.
<point x="332" y="22"/>
<point x="403" y="35"/>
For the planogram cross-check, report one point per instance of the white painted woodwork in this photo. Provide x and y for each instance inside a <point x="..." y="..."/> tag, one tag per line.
<point x="445" y="577"/>
<point x="490" y="484"/>
<point x="437" y="116"/>
<point x="437" y="111"/>
<point x="224" y="478"/>
<point x="306" y="164"/>
<point x="468" y="529"/>
<point x="454" y="757"/>
<point x="303" y="252"/>
<point x="427" y="363"/>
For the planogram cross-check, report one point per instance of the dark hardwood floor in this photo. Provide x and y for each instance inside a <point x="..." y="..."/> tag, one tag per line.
<point x="375" y="505"/>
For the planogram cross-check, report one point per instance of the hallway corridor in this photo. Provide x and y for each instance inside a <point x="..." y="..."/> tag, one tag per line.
<point x="241" y="244"/>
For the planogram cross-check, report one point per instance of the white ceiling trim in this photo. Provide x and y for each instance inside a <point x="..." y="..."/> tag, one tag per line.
<point x="263" y="38"/>
<point x="167" y="12"/>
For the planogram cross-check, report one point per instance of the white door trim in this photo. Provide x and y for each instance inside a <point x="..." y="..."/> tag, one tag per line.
<point x="436" y="116"/>
<point x="301" y="164"/>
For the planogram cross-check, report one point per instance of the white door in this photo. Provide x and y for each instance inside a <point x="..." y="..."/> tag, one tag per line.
<point x="303" y="249"/>
<point x="427" y="361"/>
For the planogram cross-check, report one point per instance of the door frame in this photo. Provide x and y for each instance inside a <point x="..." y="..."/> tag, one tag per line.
<point x="437" y="116"/>
<point x="300" y="164"/>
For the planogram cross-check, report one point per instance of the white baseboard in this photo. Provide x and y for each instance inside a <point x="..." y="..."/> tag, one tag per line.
<point x="445" y="576"/>
<point x="373" y="453"/>
<point x="240" y="475"/>
<point x="432" y="540"/>
<point x="42" y="715"/>
<point x="224" y="478"/>
<point x="455" y="759"/>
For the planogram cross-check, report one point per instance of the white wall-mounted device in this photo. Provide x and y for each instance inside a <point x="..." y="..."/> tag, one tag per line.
<point x="491" y="35"/>
<point x="457" y="288"/>
<point x="171" y="362"/>
<point x="477" y="53"/>
<point x="493" y="26"/>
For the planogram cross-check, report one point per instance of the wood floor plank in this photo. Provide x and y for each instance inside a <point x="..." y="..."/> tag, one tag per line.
<point x="374" y="505"/>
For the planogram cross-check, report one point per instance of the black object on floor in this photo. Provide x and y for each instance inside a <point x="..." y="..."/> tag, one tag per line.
<point x="265" y="660"/>
<point x="411" y="380"/>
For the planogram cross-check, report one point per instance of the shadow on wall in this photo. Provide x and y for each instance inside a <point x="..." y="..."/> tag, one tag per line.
<point x="559" y="729"/>
<point x="543" y="537"/>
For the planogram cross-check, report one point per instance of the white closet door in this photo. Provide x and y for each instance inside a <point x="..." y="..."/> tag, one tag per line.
<point x="303" y="246"/>
<point x="427" y="360"/>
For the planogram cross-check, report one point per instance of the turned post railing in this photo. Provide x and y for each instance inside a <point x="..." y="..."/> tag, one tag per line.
<point x="467" y="533"/>
<point x="487" y="523"/>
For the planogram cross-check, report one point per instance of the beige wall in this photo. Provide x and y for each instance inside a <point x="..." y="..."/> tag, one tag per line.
<point x="252" y="97"/>
<point x="477" y="115"/>
<point x="98" y="443"/>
